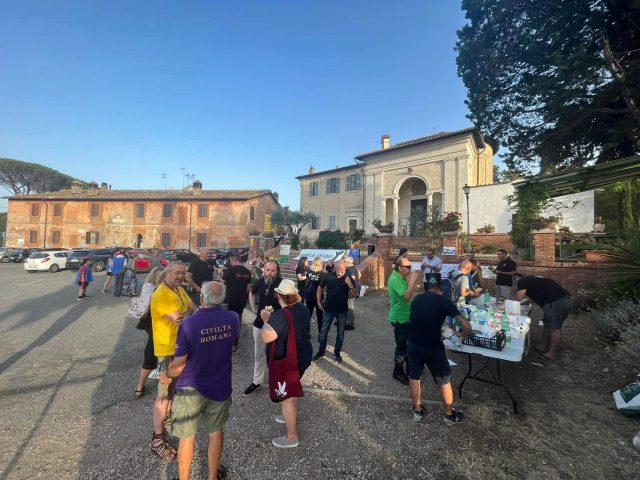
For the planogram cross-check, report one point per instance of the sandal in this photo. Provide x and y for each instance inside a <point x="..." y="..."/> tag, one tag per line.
<point x="139" y="393"/>
<point x="162" y="448"/>
<point x="167" y="421"/>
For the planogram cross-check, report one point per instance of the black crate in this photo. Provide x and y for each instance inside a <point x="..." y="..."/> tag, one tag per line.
<point x="496" y="343"/>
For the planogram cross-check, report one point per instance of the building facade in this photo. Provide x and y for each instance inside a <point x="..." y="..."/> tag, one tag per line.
<point x="388" y="183"/>
<point x="98" y="216"/>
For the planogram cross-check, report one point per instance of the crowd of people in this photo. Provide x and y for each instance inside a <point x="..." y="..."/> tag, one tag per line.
<point x="192" y="337"/>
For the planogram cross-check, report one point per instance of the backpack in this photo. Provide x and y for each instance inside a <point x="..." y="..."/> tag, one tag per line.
<point x="449" y="287"/>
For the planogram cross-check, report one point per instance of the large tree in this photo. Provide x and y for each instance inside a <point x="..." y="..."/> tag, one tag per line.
<point x="555" y="81"/>
<point x="23" y="177"/>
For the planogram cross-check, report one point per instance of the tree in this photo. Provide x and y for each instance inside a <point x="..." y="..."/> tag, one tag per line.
<point x="555" y="81"/>
<point x="23" y="177"/>
<point x="295" y="220"/>
<point x="3" y="228"/>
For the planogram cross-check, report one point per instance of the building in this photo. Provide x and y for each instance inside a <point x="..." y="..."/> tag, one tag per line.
<point x="100" y="216"/>
<point x="388" y="183"/>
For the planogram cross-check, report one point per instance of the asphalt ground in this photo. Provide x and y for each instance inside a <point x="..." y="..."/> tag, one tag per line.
<point x="67" y="407"/>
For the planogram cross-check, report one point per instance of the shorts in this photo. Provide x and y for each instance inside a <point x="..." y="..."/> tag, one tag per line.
<point x="435" y="359"/>
<point x="165" y="390"/>
<point x="555" y="313"/>
<point x="83" y="284"/>
<point x="109" y="274"/>
<point x="188" y="406"/>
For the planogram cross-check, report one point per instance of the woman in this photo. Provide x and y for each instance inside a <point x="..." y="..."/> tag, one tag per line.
<point x="150" y="362"/>
<point x="109" y="274"/>
<point x="313" y="280"/>
<point x="275" y="334"/>
<point x="83" y="278"/>
<point x="301" y="274"/>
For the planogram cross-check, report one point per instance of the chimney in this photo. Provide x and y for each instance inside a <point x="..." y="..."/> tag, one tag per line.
<point x="93" y="185"/>
<point x="104" y="186"/>
<point x="76" y="186"/>
<point x="385" y="141"/>
<point x="311" y="170"/>
<point x="197" y="187"/>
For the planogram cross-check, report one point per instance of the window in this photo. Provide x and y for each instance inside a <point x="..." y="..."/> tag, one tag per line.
<point x="313" y="189"/>
<point x="139" y="210"/>
<point x="252" y="213"/>
<point x="201" y="240"/>
<point x="203" y="210"/>
<point x="55" y="236"/>
<point x="353" y="226"/>
<point x="315" y="223"/>
<point x="332" y="222"/>
<point x="166" y="239"/>
<point x="353" y="182"/>
<point x="333" y="185"/>
<point x="92" y="238"/>
<point x="95" y="209"/>
<point x="57" y="209"/>
<point x="33" y="236"/>
<point x="35" y="209"/>
<point x="167" y="210"/>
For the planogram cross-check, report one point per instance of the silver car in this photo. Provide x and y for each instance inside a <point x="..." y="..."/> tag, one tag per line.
<point x="5" y="254"/>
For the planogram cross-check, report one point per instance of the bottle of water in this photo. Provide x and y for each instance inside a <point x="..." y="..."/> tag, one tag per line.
<point x="504" y="324"/>
<point x="487" y="299"/>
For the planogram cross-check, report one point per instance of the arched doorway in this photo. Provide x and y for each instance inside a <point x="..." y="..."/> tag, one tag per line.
<point x="138" y="241"/>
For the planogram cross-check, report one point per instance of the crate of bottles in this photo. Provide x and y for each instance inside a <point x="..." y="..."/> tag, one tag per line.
<point x="495" y="343"/>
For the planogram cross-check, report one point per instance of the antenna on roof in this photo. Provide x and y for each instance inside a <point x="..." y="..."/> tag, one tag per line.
<point x="182" y="170"/>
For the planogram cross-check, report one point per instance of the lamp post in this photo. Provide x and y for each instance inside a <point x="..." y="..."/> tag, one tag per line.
<point x="466" y="189"/>
<point x="286" y="212"/>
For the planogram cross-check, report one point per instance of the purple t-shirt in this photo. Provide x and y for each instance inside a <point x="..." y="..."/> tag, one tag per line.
<point x="207" y="337"/>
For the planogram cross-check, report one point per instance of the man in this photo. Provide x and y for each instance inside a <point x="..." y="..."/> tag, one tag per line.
<point x="354" y="274"/>
<point x="400" y="286"/>
<point x="118" y="270"/>
<point x="200" y="271"/>
<point x="202" y="366"/>
<point x="505" y="270"/>
<point x="462" y="288"/>
<point x="262" y="294"/>
<point x="170" y="304"/>
<point x="424" y="346"/>
<point x="556" y="305"/>
<point x="431" y="265"/>
<point x="339" y="288"/>
<point x="237" y="279"/>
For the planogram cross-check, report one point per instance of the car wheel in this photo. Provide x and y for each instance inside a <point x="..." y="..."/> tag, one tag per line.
<point x="54" y="268"/>
<point x="6" y="260"/>
<point x="98" y="267"/>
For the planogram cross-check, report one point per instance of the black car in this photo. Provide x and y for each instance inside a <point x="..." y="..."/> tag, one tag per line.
<point x="20" y="255"/>
<point x="217" y="256"/>
<point x="182" y="254"/>
<point x="97" y="258"/>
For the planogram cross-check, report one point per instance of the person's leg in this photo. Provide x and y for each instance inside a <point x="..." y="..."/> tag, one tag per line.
<point x="342" y="323"/>
<point x="320" y="316"/>
<point x="214" y="453"/>
<point x="446" y="394"/>
<point x="400" y="333"/>
<point x="327" y="320"/>
<point x="290" y="414"/>
<point x="185" y="457"/>
<point x="260" y="357"/>
<point x="117" y="285"/>
<point x="351" y="314"/>
<point x="555" y="338"/>
<point x="415" y="390"/>
<point x="106" y="283"/>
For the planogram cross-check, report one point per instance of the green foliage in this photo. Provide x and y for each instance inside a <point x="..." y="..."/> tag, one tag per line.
<point x="22" y="177"/>
<point x="553" y="80"/>
<point x="332" y="239"/>
<point x="488" y="228"/>
<point x="295" y="241"/>
<point x="3" y="227"/>
<point x="626" y="280"/>
<point x="620" y="323"/>
<point x="356" y="236"/>
<point x="378" y="224"/>
<point x="295" y="220"/>
<point x="529" y="202"/>
<point x="418" y="222"/>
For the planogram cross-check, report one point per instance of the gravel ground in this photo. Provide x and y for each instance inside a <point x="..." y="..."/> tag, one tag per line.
<point x="68" y="371"/>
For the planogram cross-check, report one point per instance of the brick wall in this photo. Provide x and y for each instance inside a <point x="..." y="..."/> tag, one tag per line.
<point x="500" y="240"/>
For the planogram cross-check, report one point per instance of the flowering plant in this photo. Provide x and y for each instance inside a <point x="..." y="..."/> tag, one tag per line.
<point x="452" y="219"/>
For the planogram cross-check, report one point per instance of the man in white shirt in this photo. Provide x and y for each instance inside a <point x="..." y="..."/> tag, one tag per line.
<point x="431" y="265"/>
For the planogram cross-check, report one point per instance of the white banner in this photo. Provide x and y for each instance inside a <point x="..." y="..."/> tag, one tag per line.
<point x="285" y="249"/>
<point x="324" y="255"/>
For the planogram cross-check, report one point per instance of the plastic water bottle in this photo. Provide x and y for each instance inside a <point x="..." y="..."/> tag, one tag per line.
<point x="504" y="324"/>
<point x="487" y="299"/>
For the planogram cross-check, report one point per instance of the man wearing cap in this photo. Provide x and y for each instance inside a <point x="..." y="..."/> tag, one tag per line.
<point x="401" y="286"/>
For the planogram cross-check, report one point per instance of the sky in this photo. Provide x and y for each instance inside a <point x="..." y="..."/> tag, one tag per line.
<point x="241" y="94"/>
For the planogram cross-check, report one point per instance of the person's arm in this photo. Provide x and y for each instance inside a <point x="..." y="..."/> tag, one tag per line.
<point x="252" y="301"/>
<point x="189" y="280"/>
<point x="267" y="334"/>
<point x="466" y="327"/>
<point x="349" y="283"/>
<point x="411" y="285"/>
<point x="520" y="294"/>
<point x="176" y="367"/>
<point x="438" y="265"/>
<point x="319" y="292"/>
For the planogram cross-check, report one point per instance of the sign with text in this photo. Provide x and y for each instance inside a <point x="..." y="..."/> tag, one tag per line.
<point x="449" y="251"/>
<point x="285" y="249"/>
<point x="324" y="254"/>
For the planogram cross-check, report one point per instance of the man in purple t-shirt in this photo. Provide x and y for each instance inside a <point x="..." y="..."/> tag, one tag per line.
<point x="202" y="365"/>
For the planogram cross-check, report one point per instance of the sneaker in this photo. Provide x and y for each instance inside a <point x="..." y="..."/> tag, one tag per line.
<point x="338" y="358"/>
<point x="349" y="327"/>
<point x="279" y="419"/>
<point x="250" y="389"/>
<point x="80" y="298"/>
<point x="317" y="357"/>
<point x="418" y="414"/>
<point x="455" y="417"/>
<point x="282" y="442"/>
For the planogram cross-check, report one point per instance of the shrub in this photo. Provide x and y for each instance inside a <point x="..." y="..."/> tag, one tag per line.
<point x="624" y="252"/>
<point x="332" y="239"/>
<point x="489" y="249"/>
<point x="620" y="324"/>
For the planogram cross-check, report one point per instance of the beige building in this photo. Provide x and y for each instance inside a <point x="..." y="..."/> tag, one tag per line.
<point x="388" y="183"/>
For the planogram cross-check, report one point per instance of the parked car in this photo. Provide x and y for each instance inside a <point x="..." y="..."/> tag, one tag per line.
<point x="144" y="260"/>
<point x="216" y="255"/>
<point x="182" y="254"/>
<point x="97" y="258"/>
<point x="75" y="258"/>
<point x="52" y="261"/>
<point x="19" y="255"/>
<point x="5" y="255"/>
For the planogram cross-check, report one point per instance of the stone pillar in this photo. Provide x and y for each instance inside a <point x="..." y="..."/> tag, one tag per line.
<point x="384" y="248"/>
<point x="429" y="200"/>
<point x="544" y="243"/>
<point x="395" y="215"/>
<point x="383" y="210"/>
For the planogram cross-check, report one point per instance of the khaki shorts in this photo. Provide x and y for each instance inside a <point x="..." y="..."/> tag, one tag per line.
<point x="164" y="390"/>
<point x="189" y="405"/>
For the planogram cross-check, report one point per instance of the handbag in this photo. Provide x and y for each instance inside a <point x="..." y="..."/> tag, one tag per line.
<point x="144" y="322"/>
<point x="136" y="308"/>
<point x="284" y="376"/>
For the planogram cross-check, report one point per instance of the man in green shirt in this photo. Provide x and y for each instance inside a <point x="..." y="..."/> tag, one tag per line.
<point x="400" y="286"/>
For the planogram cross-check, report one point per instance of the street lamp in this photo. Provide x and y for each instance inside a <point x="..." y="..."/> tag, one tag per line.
<point x="286" y="212"/>
<point x="466" y="189"/>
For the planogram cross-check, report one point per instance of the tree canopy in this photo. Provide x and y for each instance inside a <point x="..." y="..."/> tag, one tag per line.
<point x="555" y="81"/>
<point x="23" y="177"/>
<point x="295" y="220"/>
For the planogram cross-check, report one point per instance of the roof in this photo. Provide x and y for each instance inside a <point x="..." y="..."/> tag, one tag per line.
<point x="120" y="195"/>
<point x="338" y="169"/>
<point x="477" y="136"/>
<point x="587" y="178"/>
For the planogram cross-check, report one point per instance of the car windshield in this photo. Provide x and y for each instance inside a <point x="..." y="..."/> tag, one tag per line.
<point x="79" y="253"/>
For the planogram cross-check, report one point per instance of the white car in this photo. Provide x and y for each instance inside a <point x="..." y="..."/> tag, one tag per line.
<point x="41" y="261"/>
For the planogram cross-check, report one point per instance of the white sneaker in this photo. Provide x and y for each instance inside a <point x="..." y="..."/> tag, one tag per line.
<point x="282" y="442"/>
<point x="279" y="418"/>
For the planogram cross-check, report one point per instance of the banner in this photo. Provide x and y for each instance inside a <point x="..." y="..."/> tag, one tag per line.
<point x="324" y="255"/>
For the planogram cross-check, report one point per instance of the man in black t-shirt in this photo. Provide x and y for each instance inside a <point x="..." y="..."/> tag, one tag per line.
<point x="424" y="346"/>
<point x="237" y="279"/>
<point x="262" y="295"/>
<point x="339" y="288"/>
<point x="199" y="271"/>
<point x="556" y="305"/>
<point x="505" y="270"/>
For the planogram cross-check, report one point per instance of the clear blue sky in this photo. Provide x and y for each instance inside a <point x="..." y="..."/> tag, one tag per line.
<point x="245" y="94"/>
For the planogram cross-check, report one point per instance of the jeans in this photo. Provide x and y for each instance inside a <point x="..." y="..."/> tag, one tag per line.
<point x="260" y="352"/>
<point x="351" y="313"/>
<point x="118" y="279"/>
<point x="327" y="321"/>
<point x="400" y="334"/>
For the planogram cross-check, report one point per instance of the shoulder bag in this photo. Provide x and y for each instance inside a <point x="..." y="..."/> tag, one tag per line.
<point x="284" y="376"/>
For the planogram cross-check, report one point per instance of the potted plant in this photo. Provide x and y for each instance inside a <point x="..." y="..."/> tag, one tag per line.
<point x="383" y="228"/>
<point x="488" y="228"/>
<point x="545" y="222"/>
<point x="451" y="222"/>
<point x="598" y="225"/>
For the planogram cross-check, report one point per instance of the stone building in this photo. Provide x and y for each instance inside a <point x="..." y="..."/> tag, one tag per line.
<point x="99" y="216"/>
<point x="390" y="182"/>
